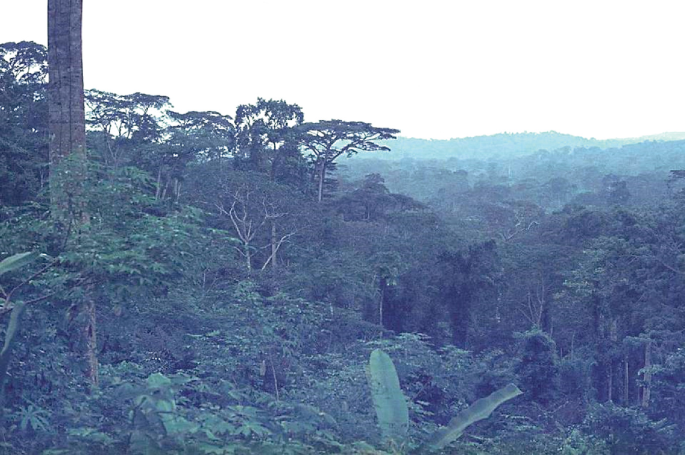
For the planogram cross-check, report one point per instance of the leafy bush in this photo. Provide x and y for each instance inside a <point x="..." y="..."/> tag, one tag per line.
<point x="629" y="430"/>
<point x="539" y="366"/>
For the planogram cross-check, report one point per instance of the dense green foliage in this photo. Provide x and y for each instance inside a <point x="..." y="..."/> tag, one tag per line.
<point x="244" y="272"/>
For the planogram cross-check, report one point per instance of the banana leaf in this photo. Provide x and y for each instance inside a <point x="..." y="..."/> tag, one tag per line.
<point x="10" y="334"/>
<point x="479" y="410"/>
<point x="388" y="400"/>
<point x="16" y="261"/>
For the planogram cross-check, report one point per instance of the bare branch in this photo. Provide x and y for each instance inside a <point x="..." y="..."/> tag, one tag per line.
<point x="278" y="246"/>
<point x="669" y="267"/>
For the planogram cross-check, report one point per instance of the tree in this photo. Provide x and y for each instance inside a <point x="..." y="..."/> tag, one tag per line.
<point x="262" y="215"/>
<point x="387" y="267"/>
<point x="619" y="194"/>
<point x="23" y="121"/>
<point x="129" y="127"/>
<point x="208" y="135"/>
<point x="328" y="140"/>
<point x="193" y="136"/>
<point x="266" y="142"/>
<point x="373" y="202"/>
<point x="467" y="276"/>
<point x="265" y="134"/>
<point x="539" y="368"/>
<point x="67" y="127"/>
<point x="67" y="121"/>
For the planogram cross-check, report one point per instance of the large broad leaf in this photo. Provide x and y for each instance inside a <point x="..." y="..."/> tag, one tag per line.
<point x="157" y="381"/>
<point x="16" y="261"/>
<point x="479" y="410"/>
<point x="391" y="407"/>
<point x="10" y="334"/>
<point x="12" y="327"/>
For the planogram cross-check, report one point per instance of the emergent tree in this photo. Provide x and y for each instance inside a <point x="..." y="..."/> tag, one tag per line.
<point x="265" y="132"/>
<point x="329" y="139"/>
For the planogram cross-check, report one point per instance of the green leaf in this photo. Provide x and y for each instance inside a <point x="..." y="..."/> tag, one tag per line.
<point x="158" y="381"/>
<point x="10" y="334"/>
<point x="388" y="400"/>
<point x="16" y="261"/>
<point x="174" y="424"/>
<point x="211" y="449"/>
<point x="479" y="410"/>
<point x="92" y="435"/>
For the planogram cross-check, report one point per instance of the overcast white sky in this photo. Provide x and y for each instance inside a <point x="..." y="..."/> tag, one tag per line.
<point x="433" y="69"/>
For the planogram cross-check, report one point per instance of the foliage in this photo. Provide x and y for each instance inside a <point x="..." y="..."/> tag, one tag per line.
<point x="23" y="122"/>
<point x="326" y="141"/>
<point x="539" y="366"/>
<point x="390" y="404"/>
<point x="626" y="430"/>
<point x="7" y="265"/>
<point x="10" y="334"/>
<point x="236" y="307"/>
<point x="479" y="410"/>
<point x="17" y="261"/>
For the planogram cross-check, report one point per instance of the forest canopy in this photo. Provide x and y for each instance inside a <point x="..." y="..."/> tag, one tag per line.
<point x="257" y="287"/>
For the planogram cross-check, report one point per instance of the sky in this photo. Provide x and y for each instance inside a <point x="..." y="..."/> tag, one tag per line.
<point x="432" y="69"/>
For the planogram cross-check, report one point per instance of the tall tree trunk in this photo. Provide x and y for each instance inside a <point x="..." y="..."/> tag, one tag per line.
<point x="67" y="122"/>
<point x="626" y="383"/>
<point x="274" y="247"/>
<point x="158" y="191"/>
<point x="322" y="176"/>
<point x="90" y="333"/>
<point x="272" y="166"/>
<point x="248" y="256"/>
<point x="67" y="127"/>
<point x="177" y="190"/>
<point x="601" y="369"/>
<point x="460" y="315"/>
<point x="646" y="389"/>
<point x="166" y="188"/>
<point x="382" y="285"/>
<point x="613" y="339"/>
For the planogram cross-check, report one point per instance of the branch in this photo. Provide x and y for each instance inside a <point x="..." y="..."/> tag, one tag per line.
<point x="240" y="250"/>
<point x="8" y="296"/>
<point x="278" y="246"/>
<point x="671" y="268"/>
<point x="6" y="308"/>
<point x="525" y="315"/>
<point x="82" y="282"/>
<point x="232" y="215"/>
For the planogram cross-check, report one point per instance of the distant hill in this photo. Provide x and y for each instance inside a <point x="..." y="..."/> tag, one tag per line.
<point x="659" y="137"/>
<point x="503" y="145"/>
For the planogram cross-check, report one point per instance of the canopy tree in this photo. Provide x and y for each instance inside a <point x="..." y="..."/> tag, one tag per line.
<point x="208" y="134"/>
<point x="192" y="136"/>
<point x="265" y="134"/>
<point x="128" y="125"/>
<point x="329" y="139"/>
<point x="23" y="121"/>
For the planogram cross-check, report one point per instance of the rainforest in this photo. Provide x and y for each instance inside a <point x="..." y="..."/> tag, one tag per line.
<point x="256" y="283"/>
